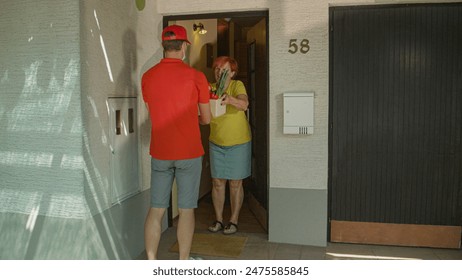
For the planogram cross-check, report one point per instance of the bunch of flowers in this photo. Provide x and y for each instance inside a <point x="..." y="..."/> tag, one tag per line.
<point x="217" y="90"/>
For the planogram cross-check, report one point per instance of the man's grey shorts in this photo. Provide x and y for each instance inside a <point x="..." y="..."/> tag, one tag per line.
<point x="188" y="177"/>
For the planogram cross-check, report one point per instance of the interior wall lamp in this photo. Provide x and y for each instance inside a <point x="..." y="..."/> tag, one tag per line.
<point x="199" y="27"/>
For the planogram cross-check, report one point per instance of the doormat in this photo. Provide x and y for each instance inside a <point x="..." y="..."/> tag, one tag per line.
<point x="218" y="245"/>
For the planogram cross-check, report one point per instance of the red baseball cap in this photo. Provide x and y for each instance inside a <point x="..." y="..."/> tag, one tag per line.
<point x="179" y="31"/>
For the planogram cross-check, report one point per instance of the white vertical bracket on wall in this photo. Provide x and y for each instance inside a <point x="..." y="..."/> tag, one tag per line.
<point x="298" y="113"/>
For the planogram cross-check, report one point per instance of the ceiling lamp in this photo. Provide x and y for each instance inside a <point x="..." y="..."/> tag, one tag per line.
<point x="199" y="27"/>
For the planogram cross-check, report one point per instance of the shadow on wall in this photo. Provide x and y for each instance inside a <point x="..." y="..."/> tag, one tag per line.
<point x="41" y="163"/>
<point x="52" y="189"/>
<point x="120" y="227"/>
<point x="126" y="83"/>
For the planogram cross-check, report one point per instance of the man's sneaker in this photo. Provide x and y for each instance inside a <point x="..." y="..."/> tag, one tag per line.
<point x="195" y="258"/>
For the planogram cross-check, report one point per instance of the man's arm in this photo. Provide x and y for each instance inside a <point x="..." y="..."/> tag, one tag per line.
<point x="205" y="113"/>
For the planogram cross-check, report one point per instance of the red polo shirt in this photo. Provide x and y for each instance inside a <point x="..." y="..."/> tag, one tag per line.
<point x="172" y="90"/>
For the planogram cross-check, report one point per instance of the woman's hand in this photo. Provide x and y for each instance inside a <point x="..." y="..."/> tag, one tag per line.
<point x="241" y="102"/>
<point x="225" y="99"/>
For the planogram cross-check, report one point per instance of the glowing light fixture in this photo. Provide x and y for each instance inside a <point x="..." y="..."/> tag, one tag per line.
<point x="199" y="27"/>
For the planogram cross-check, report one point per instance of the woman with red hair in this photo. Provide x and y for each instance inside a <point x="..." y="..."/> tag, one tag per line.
<point x="230" y="146"/>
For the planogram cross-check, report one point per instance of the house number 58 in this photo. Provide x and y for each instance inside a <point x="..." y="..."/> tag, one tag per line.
<point x="303" y="47"/>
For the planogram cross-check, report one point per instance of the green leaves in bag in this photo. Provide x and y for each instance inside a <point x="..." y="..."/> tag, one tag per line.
<point x="222" y="83"/>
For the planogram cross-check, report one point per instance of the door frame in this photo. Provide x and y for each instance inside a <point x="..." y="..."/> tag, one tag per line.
<point x="261" y="214"/>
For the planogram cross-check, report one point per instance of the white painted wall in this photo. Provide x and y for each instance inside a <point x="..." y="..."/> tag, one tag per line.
<point x="59" y="61"/>
<point x="118" y="44"/>
<point x="40" y="108"/>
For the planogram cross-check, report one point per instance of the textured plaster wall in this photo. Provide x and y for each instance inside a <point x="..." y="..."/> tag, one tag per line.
<point x="54" y="164"/>
<point x="41" y="163"/>
<point x="118" y="42"/>
<point x="40" y="151"/>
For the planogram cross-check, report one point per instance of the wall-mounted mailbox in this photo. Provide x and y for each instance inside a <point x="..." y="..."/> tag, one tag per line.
<point x="298" y="113"/>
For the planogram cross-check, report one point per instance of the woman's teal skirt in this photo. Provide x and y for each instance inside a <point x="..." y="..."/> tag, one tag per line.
<point x="232" y="163"/>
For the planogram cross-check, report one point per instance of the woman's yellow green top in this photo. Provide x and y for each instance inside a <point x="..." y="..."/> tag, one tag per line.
<point x="231" y="128"/>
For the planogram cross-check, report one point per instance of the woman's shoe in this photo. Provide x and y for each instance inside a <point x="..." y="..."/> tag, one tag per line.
<point x="216" y="227"/>
<point x="231" y="228"/>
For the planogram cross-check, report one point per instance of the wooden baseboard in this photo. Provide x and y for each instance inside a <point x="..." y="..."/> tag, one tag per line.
<point x="396" y="234"/>
<point x="260" y="213"/>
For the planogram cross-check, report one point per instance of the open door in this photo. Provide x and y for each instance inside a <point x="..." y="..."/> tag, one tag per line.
<point x="257" y="89"/>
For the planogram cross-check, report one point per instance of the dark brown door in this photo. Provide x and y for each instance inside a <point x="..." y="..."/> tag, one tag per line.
<point x="396" y="124"/>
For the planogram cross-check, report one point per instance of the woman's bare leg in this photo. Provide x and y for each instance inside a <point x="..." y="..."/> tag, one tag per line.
<point x="236" y="193"/>
<point x="218" y="197"/>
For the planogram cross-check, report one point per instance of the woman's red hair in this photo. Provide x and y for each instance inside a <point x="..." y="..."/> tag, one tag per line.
<point x="221" y="60"/>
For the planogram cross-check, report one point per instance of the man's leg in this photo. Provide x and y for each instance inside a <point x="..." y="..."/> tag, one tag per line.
<point x="188" y="177"/>
<point x="185" y="232"/>
<point x="162" y="174"/>
<point x="153" y="231"/>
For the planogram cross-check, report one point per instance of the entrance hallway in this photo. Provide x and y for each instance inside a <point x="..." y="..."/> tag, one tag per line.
<point x="258" y="247"/>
